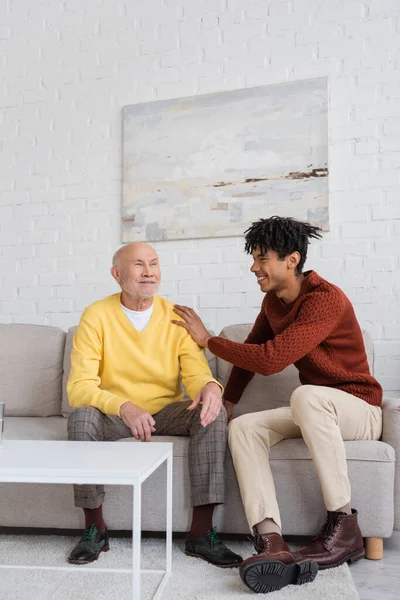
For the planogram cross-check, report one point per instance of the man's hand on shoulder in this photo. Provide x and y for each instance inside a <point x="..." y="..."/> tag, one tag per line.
<point x="193" y="324"/>
<point x="211" y="398"/>
<point x="139" y="421"/>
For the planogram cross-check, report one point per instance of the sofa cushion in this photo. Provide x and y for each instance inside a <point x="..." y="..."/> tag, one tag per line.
<point x="35" y="428"/>
<point x="365" y="450"/>
<point x="273" y="391"/>
<point x="66" y="409"/>
<point x="55" y="428"/>
<point x="31" y="359"/>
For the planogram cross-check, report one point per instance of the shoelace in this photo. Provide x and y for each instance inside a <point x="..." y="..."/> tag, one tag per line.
<point x="214" y="538"/>
<point x="90" y="534"/>
<point x="255" y="541"/>
<point x="329" y="529"/>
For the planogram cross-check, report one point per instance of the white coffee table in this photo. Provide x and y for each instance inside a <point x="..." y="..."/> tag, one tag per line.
<point x="110" y="463"/>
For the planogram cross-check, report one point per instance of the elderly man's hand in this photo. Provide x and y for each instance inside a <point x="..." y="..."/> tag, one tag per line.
<point x="139" y="421"/>
<point x="193" y="324"/>
<point x="211" y="397"/>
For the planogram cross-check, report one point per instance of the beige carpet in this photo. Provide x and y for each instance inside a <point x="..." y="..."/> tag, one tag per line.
<point x="192" y="579"/>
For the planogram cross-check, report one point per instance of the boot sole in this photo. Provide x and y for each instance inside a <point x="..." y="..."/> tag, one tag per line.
<point x="265" y="576"/>
<point x="350" y="558"/>
<point x="231" y="566"/>
<point x="87" y="562"/>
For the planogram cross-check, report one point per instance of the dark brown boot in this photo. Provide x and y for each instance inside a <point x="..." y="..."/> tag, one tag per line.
<point x="340" y="541"/>
<point x="274" y="566"/>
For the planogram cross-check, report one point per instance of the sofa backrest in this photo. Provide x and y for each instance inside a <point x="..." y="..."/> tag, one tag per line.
<point x="31" y="358"/>
<point x="66" y="409"/>
<point x="35" y="364"/>
<point x="274" y="391"/>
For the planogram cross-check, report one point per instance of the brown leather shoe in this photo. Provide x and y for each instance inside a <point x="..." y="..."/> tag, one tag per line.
<point x="274" y="566"/>
<point x="340" y="541"/>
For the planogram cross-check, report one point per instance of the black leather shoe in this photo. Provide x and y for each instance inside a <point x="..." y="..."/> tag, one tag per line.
<point x="210" y="548"/>
<point x="89" y="547"/>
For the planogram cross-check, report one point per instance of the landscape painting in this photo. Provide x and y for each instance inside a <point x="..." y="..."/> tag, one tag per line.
<point x="208" y="166"/>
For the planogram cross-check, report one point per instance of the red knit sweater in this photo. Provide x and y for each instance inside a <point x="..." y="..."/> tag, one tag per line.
<point x="318" y="333"/>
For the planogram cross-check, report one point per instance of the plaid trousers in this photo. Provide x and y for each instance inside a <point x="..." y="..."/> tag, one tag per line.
<point x="207" y="447"/>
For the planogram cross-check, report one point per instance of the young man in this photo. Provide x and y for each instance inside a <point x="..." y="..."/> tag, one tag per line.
<point x="127" y="364"/>
<point x="308" y="322"/>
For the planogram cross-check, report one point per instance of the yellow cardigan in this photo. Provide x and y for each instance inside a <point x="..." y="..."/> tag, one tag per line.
<point x="112" y="362"/>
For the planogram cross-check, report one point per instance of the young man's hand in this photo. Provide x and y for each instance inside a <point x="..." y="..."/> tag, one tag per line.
<point x="193" y="324"/>
<point x="139" y="421"/>
<point x="229" y="407"/>
<point x="211" y="397"/>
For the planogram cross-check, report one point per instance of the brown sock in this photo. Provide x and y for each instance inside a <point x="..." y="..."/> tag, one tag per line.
<point x="94" y="516"/>
<point x="201" y="519"/>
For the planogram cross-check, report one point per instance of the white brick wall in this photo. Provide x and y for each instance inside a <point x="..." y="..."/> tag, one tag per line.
<point x="69" y="67"/>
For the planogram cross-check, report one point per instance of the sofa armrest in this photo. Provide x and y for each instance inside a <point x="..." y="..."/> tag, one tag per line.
<point x="391" y="435"/>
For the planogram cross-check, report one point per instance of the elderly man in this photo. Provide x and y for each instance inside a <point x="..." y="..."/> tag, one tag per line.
<point x="127" y="360"/>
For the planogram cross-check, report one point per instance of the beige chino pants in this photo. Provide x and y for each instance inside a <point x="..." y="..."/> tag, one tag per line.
<point x="323" y="417"/>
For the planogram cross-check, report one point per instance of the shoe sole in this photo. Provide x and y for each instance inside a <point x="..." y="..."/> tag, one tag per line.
<point x="350" y="558"/>
<point x="265" y="576"/>
<point x="233" y="565"/>
<point x="87" y="562"/>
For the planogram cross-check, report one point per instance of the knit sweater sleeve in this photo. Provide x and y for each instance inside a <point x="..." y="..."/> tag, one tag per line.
<point x="240" y="378"/>
<point x="84" y="383"/>
<point x="318" y="315"/>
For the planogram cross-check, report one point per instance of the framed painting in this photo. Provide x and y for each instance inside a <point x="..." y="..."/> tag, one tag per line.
<point x="208" y="166"/>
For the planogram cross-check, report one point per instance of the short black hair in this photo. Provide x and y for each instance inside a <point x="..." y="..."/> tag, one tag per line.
<point x="284" y="235"/>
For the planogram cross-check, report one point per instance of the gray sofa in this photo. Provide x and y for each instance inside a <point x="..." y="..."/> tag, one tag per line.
<point x="34" y="367"/>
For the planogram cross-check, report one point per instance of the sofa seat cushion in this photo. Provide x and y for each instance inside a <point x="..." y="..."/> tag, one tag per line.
<point x="355" y="450"/>
<point x="297" y="450"/>
<point x="35" y="428"/>
<point x="31" y="369"/>
<point x="55" y="428"/>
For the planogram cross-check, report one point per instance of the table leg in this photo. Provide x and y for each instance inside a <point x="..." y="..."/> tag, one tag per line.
<point x="168" y="533"/>
<point x="169" y="515"/>
<point x="136" y="540"/>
